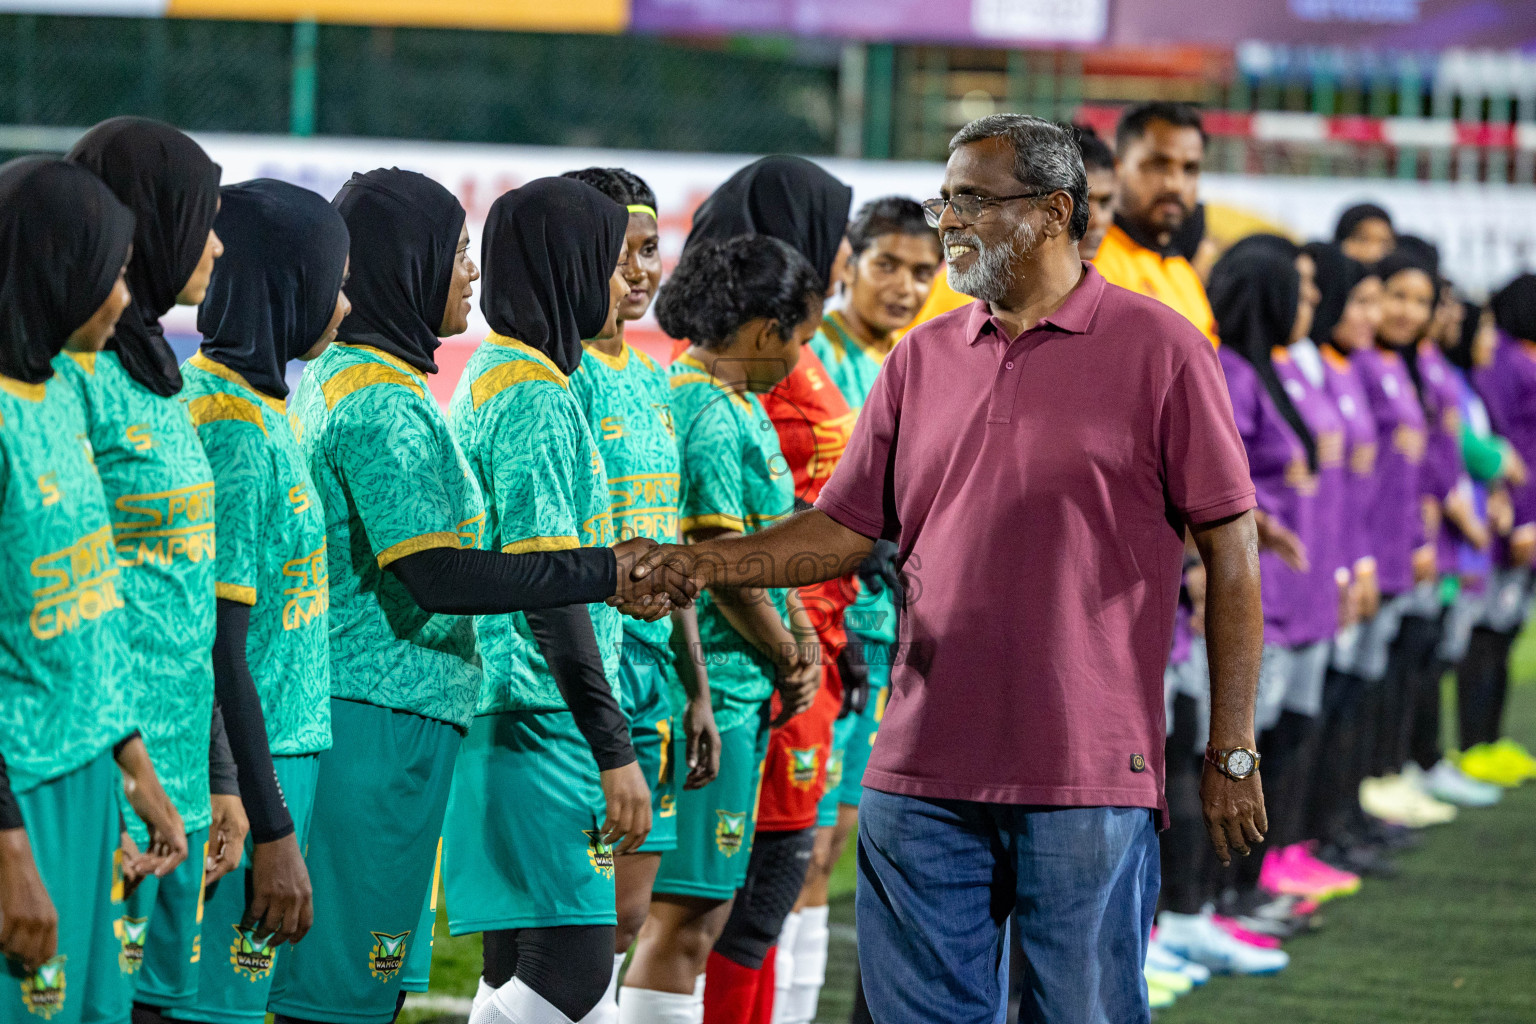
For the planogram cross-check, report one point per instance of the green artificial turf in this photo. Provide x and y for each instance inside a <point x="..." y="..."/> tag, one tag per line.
<point x="1450" y="941"/>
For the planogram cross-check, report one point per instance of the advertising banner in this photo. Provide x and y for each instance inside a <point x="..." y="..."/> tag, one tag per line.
<point x="1487" y="232"/>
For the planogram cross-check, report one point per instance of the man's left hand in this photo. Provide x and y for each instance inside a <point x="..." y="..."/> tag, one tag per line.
<point x="648" y="595"/>
<point x="1234" y="812"/>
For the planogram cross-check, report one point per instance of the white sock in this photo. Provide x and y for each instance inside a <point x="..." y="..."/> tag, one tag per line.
<point x="607" y="1009"/>
<point x="483" y="992"/>
<point x="810" y="967"/>
<point x="784" y="965"/>
<point x="647" y="1006"/>
<point x="516" y="1003"/>
<point x="698" y="1000"/>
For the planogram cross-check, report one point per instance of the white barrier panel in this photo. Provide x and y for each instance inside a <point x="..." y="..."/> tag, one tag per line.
<point x="1487" y="233"/>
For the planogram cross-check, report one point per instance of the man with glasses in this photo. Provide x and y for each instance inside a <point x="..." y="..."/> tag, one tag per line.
<point x="1159" y="149"/>
<point x="1036" y="456"/>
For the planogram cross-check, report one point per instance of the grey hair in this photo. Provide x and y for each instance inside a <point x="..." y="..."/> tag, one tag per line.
<point x="1045" y="155"/>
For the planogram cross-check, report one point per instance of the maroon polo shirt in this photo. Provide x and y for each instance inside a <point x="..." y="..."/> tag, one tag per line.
<point x="1038" y="488"/>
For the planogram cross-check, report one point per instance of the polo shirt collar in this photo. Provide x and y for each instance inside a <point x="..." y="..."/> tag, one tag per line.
<point x="1074" y="317"/>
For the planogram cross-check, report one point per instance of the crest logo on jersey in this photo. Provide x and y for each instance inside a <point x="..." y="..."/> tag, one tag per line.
<point x="730" y="832"/>
<point x="835" y="770"/>
<point x="599" y="853"/>
<point x="250" y="956"/>
<point x="130" y="933"/>
<point x="803" y="765"/>
<point x="42" y="991"/>
<point x="387" y="955"/>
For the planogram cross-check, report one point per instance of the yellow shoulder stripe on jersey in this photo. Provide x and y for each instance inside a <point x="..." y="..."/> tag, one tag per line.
<point x="233" y="592"/>
<point x="220" y="406"/>
<point x="524" y="348"/>
<point x="86" y="360"/>
<point x="505" y="375"/>
<point x="223" y="372"/>
<point x="21" y="389"/>
<point x="523" y="547"/>
<point x="425" y="542"/>
<point x="713" y="520"/>
<point x="363" y="375"/>
<point x="650" y="364"/>
<point x="680" y="379"/>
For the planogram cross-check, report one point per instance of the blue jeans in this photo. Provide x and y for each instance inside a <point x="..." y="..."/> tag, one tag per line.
<point x="939" y="879"/>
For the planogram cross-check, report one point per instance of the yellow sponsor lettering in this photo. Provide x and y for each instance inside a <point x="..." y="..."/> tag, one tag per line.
<point x="139" y="437"/>
<point x="48" y="485"/>
<point x="158" y="528"/>
<point x="75" y="584"/>
<point x="306" y="589"/>
<point x="613" y="427"/>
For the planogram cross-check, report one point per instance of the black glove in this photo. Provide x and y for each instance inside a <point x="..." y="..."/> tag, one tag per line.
<point x="853" y="670"/>
<point x="878" y="571"/>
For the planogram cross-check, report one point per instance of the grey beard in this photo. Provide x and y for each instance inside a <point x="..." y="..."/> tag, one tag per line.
<point x="994" y="272"/>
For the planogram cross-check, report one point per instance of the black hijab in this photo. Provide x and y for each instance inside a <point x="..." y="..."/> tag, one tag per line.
<point x="273" y="293"/>
<point x="1355" y="216"/>
<point x="1460" y="354"/>
<point x="1514" y="308"/>
<point x="63" y="240"/>
<point x="1255" y="290"/>
<point x="405" y="237"/>
<point x="173" y="189"/>
<point x="784" y="197"/>
<point x="1337" y="276"/>
<point x="549" y="249"/>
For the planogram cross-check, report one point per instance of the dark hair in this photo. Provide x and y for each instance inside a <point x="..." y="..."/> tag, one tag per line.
<point x="1135" y="118"/>
<point x="624" y="187"/>
<point x="1097" y="156"/>
<point x="1356" y="215"/>
<point x="718" y="286"/>
<point x="889" y="215"/>
<point x="1045" y="156"/>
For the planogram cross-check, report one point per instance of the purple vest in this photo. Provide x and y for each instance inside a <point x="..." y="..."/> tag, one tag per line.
<point x="1282" y="483"/>
<point x="1508" y="388"/>
<point x="1393" y="518"/>
<point x="1312" y="598"/>
<point x="1348" y="393"/>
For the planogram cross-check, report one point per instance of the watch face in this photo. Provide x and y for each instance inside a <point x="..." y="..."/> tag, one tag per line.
<point x="1240" y="763"/>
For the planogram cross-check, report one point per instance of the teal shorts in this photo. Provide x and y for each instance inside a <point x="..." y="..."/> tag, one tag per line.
<point x="417" y="975"/>
<point x="520" y="844"/>
<point x="715" y="824"/>
<point x="379" y="802"/>
<point x="160" y="931"/>
<point x="645" y="680"/>
<point x="235" y="977"/>
<point x="852" y="740"/>
<point x="72" y="825"/>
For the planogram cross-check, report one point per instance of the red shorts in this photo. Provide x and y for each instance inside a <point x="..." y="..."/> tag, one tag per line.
<point x="795" y="771"/>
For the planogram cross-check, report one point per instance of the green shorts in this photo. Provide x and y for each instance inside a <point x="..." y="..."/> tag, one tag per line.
<point x="520" y="846"/>
<point x="417" y="974"/>
<point x="379" y="803"/>
<point x="233" y="980"/>
<point x="715" y="824"/>
<point x="72" y="824"/>
<point x="161" y="930"/>
<point x="645" y="679"/>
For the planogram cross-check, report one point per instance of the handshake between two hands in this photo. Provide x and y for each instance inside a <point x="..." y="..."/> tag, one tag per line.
<point x="654" y="579"/>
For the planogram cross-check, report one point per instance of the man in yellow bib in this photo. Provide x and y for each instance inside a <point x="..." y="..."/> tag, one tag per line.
<point x="1159" y="150"/>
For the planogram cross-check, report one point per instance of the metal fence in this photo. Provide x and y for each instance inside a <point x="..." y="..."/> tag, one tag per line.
<point x="609" y="91"/>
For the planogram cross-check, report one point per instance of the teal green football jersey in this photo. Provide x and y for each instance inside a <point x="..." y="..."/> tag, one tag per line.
<point x="271" y="537"/>
<point x="392" y="482"/>
<point x="852" y="366"/>
<point x="853" y="369"/>
<point x="62" y="661"/>
<point x="734" y="476"/>
<point x="627" y="402"/>
<point x="159" y="491"/>
<point x="545" y="490"/>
